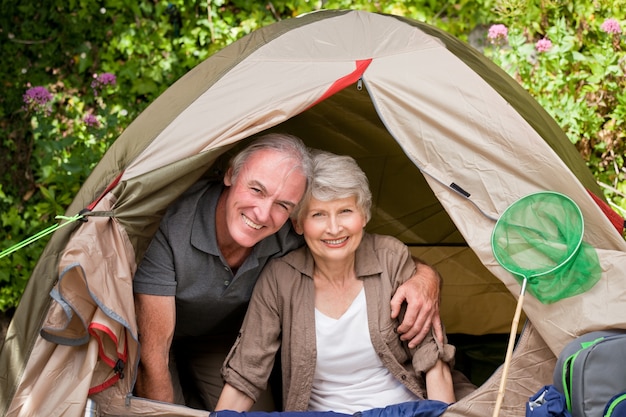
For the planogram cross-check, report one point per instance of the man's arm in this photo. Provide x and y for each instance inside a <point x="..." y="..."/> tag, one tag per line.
<point x="156" y="319"/>
<point x="421" y="293"/>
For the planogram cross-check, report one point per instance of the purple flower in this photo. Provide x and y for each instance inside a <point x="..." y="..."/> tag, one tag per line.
<point x="107" y="78"/>
<point x="611" y="26"/>
<point x="498" y="33"/>
<point x="91" y="120"/>
<point x="102" y="80"/>
<point x="543" y="45"/>
<point x="37" y="99"/>
<point x="37" y="96"/>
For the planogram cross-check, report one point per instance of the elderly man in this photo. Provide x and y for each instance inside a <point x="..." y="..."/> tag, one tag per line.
<point x="194" y="284"/>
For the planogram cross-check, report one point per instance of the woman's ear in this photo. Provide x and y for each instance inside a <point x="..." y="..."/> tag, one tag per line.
<point x="296" y="226"/>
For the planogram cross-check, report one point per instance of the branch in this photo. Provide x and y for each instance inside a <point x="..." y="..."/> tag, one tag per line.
<point x="25" y="42"/>
<point x="273" y="10"/>
<point x="208" y="13"/>
<point x="612" y="189"/>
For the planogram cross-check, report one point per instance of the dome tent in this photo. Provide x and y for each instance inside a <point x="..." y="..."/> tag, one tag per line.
<point x="448" y="142"/>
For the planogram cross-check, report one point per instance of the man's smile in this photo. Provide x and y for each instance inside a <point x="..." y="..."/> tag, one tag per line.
<point x="250" y="223"/>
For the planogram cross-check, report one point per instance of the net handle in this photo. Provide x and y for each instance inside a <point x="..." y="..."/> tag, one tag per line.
<point x="509" y="349"/>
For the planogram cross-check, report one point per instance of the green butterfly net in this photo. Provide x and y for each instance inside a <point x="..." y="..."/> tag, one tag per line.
<point x="539" y="239"/>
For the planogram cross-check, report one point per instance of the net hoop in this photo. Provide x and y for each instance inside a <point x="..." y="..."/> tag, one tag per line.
<point x="501" y="222"/>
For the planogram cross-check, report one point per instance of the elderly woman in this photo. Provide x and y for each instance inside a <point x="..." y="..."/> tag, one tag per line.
<point x="326" y="306"/>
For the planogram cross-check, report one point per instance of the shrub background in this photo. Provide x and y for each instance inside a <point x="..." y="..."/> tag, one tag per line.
<point x="75" y="73"/>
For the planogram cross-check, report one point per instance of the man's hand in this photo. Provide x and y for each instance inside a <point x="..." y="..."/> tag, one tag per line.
<point x="421" y="293"/>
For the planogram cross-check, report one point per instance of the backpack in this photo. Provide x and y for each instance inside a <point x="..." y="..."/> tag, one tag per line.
<point x="616" y="406"/>
<point x="547" y="402"/>
<point x="591" y="373"/>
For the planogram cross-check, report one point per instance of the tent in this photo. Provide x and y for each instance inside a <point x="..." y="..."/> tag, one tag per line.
<point x="447" y="139"/>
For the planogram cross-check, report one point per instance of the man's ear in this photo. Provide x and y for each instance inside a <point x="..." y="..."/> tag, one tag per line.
<point x="228" y="177"/>
<point x="296" y="226"/>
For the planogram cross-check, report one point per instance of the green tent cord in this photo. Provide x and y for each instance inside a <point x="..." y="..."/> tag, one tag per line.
<point x="41" y="234"/>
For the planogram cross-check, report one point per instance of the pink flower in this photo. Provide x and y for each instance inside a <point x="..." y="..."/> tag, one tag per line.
<point x="543" y="45"/>
<point x="611" y="26"/>
<point x="37" y="99"/>
<point x="101" y="81"/>
<point x="91" y="120"/>
<point x="498" y="33"/>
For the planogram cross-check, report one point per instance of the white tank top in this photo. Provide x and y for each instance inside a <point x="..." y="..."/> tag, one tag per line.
<point x="349" y="375"/>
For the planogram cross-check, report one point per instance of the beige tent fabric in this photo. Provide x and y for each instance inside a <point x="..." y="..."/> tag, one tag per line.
<point x="290" y="84"/>
<point x="118" y="404"/>
<point x="56" y="380"/>
<point x="90" y="325"/>
<point x="490" y="164"/>
<point x="531" y="368"/>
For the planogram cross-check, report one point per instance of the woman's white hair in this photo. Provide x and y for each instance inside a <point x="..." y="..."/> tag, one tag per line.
<point x="335" y="177"/>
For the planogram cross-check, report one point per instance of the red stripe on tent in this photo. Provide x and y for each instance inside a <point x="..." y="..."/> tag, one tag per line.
<point x="94" y="330"/>
<point x="615" y="218"/>
<point x="343" y="82"/>
<point x="106" y="384"/>
<point x="109" y="188"/>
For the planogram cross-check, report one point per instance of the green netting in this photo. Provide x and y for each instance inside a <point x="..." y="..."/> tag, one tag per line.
<point x="540" y="238"/>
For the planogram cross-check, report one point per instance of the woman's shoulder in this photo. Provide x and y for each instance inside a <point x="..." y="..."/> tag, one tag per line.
<point x="295" y="262"/>
<point x="384" y="242"/>
<point x="391" y="255"/>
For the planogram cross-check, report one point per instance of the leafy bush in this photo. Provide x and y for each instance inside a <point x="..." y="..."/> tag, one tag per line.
<point x="564" y="53"/>
<point x="570" y="58"/>
<point x="69" y="134"/>
<point x="58" y="115"/>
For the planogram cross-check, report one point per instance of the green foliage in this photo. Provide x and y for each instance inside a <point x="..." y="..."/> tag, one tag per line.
<point x="579" y="80"/>
<point x="61" y="46"/>
<point x="64" y="45"/>
<point x="14" y="270"/>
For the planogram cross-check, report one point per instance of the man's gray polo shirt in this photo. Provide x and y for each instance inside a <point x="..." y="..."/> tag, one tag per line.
<point x="183" y="260"/>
